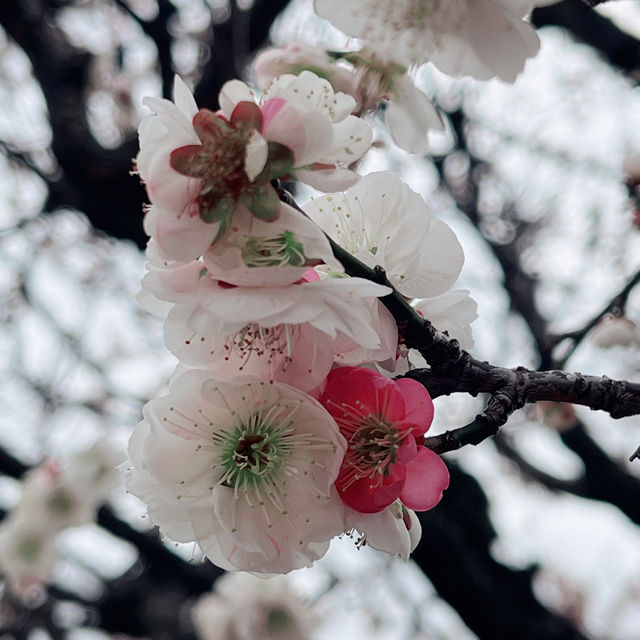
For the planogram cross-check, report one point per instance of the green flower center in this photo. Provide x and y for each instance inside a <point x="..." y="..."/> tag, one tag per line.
<point x="282" y="250"/>
<point x="255" y="451"/>
<point x="373" y="448"/>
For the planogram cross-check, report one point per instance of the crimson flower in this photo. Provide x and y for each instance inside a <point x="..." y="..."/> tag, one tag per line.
<point x="383" y="421"/>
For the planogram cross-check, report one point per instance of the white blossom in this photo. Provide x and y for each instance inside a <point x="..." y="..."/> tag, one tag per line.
<point x="409" y="114"/>
<point x="615" y="331"/>
<point x="383" y="222"/>
<point x="246" y="468"/>
<point x="480" y="38"/>
<point x="255" y="253"/>
<point x="173" y="219"/>
<point x="27" y="551"/>
<point x="243" y="607"/>
<point x="287" y="333"/>
<point x="305" y="115"/>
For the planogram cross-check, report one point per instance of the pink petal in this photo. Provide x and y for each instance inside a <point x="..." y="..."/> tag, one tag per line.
<point x="427" y="478"/>
<point x="407" y="451"/>
<point x="270" y="110"/>
<point x="364" y="498"/>
<point x="418" y="405"/>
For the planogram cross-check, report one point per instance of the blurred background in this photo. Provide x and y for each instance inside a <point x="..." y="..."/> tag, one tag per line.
<point x="537" y="537"/>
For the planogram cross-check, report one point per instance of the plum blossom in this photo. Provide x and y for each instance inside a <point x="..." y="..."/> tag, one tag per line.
<point x="409" y="114"/>
<point x="243" y="607"/>
<point x="286" y="333"/>
<point x="479" y="38"/>
<point x="54" y="497"/>
<point x="383" y="422"/>
<point x="48" y="494"/>
<point x="383" y="222"/>
<point x="303" y="114"/>
<point x="173" y="219"/>
<point x="245" y="468"/>
<point x="557" y="415"/>
<point x="27" y="551"/>
<point x="258" y="254"/>
<point x="199" y="166"/>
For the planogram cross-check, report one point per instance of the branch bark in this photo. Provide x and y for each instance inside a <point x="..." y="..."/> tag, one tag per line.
<point x="453" y="370"/>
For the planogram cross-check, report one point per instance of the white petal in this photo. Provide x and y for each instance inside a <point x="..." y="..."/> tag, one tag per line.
<point x="351" y="139"/>
<point x="436" y="267"/>
<point x="453" y="312"/>
<point x="180" y="236"/>
<point x="227" y="259"/>
<point x="232" y="92"/>
<point x="183" y="98"/>
<point x="328" y="179"/>
<point x="256" y="154"/>
<point x="410" y="116"/>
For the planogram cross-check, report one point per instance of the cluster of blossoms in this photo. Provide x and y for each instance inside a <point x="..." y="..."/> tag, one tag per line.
<point x="243" y="607"/>
<point x="54" y="497"/>
<point x="281" y="428"/>
<point x="478" y="38"/>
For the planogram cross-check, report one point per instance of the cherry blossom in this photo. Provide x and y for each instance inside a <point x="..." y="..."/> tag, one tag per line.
<point x="245" y="467"/>
<point x="383" y="422"/>
<point x="480" y="38"/>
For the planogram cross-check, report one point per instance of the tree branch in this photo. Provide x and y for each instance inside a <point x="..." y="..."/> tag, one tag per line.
<point x="454" y="370"/>
<point x="620" y="48"/>
<point x="617" y="302"/>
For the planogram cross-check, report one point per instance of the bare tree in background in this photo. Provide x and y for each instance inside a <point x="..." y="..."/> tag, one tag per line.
<point x="86" y="168"/>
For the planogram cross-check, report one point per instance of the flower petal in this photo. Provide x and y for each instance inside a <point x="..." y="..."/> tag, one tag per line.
<point x="427" y="478"/>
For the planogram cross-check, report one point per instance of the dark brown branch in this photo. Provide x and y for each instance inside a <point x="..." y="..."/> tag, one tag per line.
<point x="602" y="479"/>
<point x="454" y="370"/>
<point x="617" y="303"/>
<point x="158" y="30"/>
<point x="620" y="48"/>
<point x="511" y="389"/>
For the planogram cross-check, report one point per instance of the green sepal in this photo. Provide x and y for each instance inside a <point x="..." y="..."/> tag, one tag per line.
<point x="224" y="225"/>
<point x="217" y="210"/>
<point x="280" y="162"/>
<point x="263" y="204"/>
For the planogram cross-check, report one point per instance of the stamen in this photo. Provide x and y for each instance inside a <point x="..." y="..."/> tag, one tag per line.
<point x="282" y="250"/>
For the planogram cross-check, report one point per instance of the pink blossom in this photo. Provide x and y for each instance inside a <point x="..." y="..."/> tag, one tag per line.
<point x="383" y="422"/>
